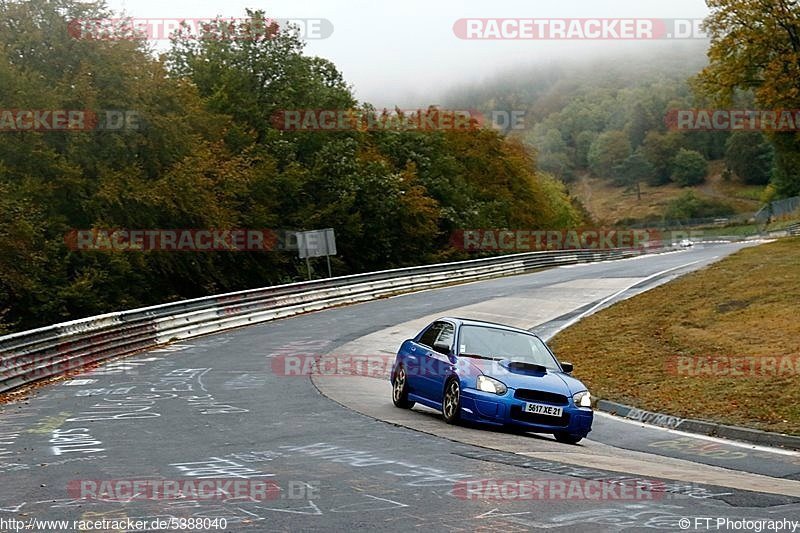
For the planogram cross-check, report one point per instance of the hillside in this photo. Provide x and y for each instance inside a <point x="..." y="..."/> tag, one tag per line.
<point x="600" y="127"/>
<point x="610" y="204"/>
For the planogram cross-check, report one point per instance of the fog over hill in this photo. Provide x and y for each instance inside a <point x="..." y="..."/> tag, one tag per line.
<point x="554" y="77"/>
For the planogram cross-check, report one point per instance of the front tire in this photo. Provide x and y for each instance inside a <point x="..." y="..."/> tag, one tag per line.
<point x="566" y="438"/>
<point x="451" y="403"/>
<point x="400" y="390"/>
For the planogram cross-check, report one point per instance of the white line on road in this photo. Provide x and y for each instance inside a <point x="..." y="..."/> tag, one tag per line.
<point x="621" y="291"/>
<point x="718" y="440"/>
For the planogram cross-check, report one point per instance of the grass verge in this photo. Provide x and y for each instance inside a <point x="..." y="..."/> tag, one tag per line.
<point x="746" y="305"/>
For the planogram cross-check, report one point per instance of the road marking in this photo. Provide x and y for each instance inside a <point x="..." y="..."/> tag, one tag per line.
<point x="609" y="298"/>
<point x="79" y="382"/>
<point x="493" y="514"/>
<point x="756" y="447"/>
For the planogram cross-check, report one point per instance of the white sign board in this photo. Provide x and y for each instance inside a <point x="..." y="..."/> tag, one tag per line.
<point x="316" y="243"/>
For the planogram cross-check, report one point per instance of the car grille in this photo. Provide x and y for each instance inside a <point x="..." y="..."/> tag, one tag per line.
<point x="541" y="396"/>
<point x="543" y="420"/>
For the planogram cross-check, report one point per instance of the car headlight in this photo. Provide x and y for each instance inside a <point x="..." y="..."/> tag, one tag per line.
<point x="583" y="399"/>
<point x="487" y="384"/>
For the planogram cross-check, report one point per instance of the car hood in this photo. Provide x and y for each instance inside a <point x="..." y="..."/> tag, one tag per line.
<point x="521" y="376"/>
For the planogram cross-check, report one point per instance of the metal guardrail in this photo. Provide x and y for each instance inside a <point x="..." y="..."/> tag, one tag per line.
<point x="793" y="229"/>
<point x="32" y="355"/>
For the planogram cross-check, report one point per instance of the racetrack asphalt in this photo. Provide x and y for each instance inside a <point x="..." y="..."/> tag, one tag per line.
<point x="219" y="408"/>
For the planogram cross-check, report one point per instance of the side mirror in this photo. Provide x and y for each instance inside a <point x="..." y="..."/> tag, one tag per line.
<point x="567" y="367"/>
<point x="442" y="348"/>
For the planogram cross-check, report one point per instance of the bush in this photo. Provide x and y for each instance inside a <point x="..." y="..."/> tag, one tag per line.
<point x="689" y="168"/>
<point x="689" y="205"/>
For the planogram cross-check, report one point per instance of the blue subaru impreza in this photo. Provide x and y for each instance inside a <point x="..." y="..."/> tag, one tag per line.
<point x="483" y="372"/>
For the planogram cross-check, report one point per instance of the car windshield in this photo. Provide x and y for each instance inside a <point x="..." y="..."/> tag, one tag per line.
<point x="496" y="343"/>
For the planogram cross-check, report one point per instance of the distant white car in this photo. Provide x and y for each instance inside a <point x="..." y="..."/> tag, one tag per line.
<point x="685" y="243"/>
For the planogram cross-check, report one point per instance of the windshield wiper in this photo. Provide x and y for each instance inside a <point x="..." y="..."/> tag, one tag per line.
<point x="476" y="356"/>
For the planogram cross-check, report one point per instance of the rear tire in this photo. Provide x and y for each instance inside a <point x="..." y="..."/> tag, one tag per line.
<point x="566" y="438"/>
<point x="451" y="402"/>
<point x="400" y="390"/>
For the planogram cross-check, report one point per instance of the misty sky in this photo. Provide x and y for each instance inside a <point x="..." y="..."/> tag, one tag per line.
<point x="405" y="52"/>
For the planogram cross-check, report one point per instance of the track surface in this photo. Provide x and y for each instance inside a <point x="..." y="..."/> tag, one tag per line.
<point x="216" y="407"/>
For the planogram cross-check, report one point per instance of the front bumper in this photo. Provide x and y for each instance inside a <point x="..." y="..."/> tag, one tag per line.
<point x="485" y="407"/>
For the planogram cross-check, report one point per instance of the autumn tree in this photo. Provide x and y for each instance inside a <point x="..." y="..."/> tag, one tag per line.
<point x="750" y="157"/>
<point x="755" y="46"/>
<point x="209" y="156"/>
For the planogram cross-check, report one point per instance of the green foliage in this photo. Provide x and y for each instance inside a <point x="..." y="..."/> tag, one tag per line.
<point x="768" y="195"/>
<point x="690" y="206"/>
<point x="583" y="143"/>
<point x="633" y="170"/>
<point x="689" y="168"/>
<point x="660" y="149"/>
<point x="749" y="156"/>
<point x="608" y="151"/>
<point x="564" y="211"/>
<point x="571" y="107"/>
<point x="552" y="154"/>
<point x="755" y="48"/>
<point x="786" y="174"/>
<point x="209" y="157"/>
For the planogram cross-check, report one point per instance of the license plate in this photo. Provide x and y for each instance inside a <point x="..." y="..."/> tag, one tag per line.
<point x="542" y="409"/>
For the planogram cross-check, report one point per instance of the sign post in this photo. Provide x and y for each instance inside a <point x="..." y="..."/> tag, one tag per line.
<point x="316" y="243"/>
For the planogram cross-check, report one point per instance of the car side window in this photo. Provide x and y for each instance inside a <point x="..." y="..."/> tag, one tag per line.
<point x="431" y="334"/>
<point x="446" y="335"/>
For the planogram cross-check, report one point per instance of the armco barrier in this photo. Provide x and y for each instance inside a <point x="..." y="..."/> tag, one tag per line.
<point x="54" y="350"/>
